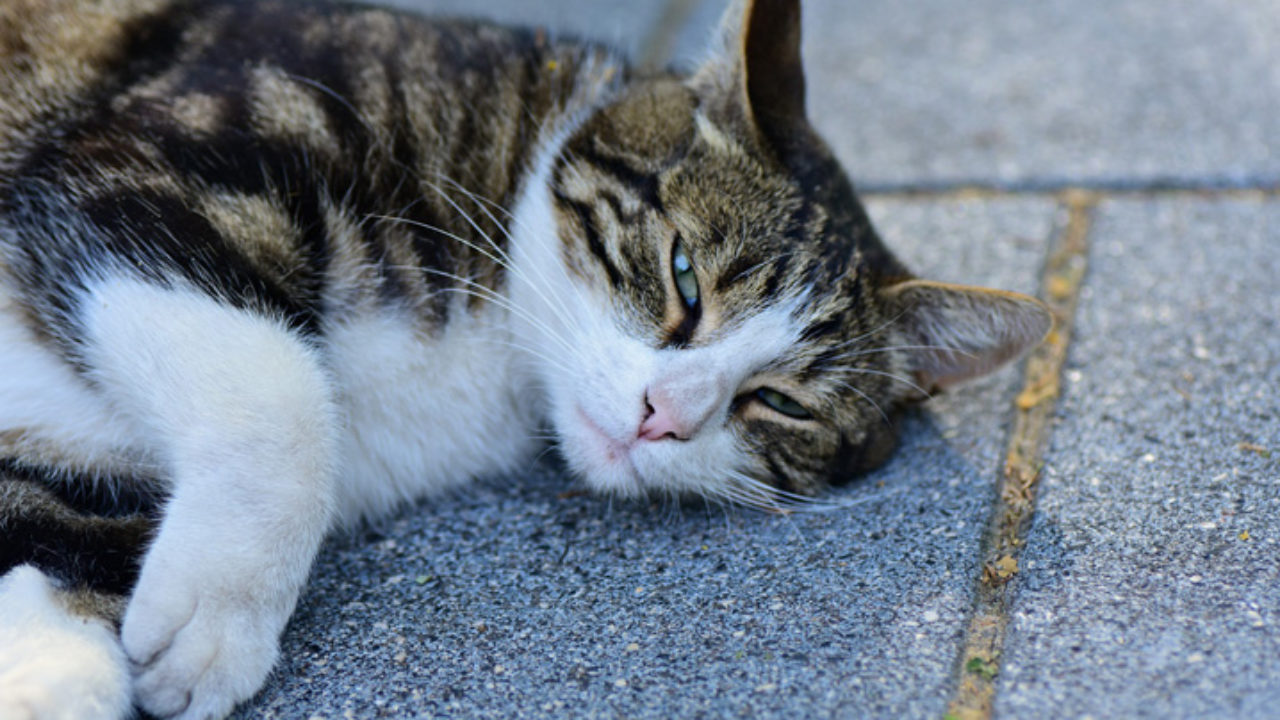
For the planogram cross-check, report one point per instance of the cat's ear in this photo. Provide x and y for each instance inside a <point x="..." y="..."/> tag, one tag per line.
<point x="956" y="332"/>
<point x="755" y="72"/>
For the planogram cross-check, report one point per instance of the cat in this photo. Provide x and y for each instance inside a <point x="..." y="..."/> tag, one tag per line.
<point x="270" y="268"/>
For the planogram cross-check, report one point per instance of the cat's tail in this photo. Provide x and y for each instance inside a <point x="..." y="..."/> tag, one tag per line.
<point x="64" y="579"/>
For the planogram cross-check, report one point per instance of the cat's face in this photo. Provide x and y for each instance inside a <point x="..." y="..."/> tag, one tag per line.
<point x="720" y="318"/>
<point x="724" y="327"/>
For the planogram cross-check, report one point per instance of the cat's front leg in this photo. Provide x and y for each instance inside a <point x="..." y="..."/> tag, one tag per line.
<point x="241" y="411"/>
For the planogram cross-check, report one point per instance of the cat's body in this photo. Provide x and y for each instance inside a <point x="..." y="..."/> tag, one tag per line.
<point x="268" y="268"/>
<point x="313" y="197"/>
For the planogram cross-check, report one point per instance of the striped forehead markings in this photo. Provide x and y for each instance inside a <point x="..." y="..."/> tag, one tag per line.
<point x="641" y="183"/>
<point x="591" y="233"/>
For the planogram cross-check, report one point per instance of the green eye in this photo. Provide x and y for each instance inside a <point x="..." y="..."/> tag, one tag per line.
<point x="782" y="404"/>
<point x="686" y="279"/>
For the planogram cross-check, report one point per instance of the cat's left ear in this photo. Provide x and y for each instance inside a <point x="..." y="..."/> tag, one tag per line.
<point x="756" y="73"/>
<point x="957" y="332"/>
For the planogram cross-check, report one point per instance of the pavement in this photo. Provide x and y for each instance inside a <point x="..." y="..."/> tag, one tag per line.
<point x="1091" y="534"/>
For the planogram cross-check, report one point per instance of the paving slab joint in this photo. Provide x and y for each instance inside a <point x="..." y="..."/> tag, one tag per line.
<point x="1263" y="190"/>
<point x="1061" y="281"/>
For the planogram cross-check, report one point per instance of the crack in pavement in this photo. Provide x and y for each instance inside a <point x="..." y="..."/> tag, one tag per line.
<point x="986" y="190"/>
<point x="1061" y="282"/>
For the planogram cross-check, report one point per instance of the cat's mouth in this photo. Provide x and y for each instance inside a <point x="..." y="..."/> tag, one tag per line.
<point x="613" y="454"/>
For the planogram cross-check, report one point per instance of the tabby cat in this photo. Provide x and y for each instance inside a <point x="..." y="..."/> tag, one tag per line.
<point x="269" y="268"/>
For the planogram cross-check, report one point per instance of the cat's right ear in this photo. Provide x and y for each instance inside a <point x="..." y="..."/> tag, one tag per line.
<point x="954" y="333"/>
<point x="754" y="79"/>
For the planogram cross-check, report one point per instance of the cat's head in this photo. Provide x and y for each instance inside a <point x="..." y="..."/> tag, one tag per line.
<point x="718" y="315"/>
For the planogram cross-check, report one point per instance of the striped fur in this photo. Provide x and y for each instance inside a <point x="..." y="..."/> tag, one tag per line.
<point x="271" y="267"/>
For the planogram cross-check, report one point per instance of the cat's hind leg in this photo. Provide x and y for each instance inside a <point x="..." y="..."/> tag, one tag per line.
<point x="56" y="661"/>
<point x="240" y="410"/>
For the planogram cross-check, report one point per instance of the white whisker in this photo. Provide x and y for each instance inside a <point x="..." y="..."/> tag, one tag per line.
<point x="893" y="348"/>
<point x="477" y="290"/>
<point x="891" y="376"/>
<point x="506" y="261"/>
<point x="866" y="397"/>
<point x="870" y="333"/>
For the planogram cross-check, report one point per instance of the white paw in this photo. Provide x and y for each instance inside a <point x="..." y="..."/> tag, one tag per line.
<point x="53" y="665"/>
<point x="200" y="641"/>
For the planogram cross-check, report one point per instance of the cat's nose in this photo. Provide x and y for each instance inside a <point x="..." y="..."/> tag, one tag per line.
<point x="665" y="419"/>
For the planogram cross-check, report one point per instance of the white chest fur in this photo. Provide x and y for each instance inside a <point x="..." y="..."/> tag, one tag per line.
<point x="424" y="412"/>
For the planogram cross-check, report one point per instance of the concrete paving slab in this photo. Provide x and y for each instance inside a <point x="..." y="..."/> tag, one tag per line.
<point x="1150" y="585"/>
<point x="1011" y="92"/>
<point x="517" y="599"/>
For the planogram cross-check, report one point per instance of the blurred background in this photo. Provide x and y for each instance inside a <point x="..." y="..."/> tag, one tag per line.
<point x="926" y="92"/>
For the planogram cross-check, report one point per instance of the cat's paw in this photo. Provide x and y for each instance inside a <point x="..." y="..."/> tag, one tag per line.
<point x="54" y="665"/>
<point x="199" y="642"/>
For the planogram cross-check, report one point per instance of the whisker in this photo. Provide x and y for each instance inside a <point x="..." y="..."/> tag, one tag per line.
<point x="482" y="292"/>
<point x="891" y="376"/>
<point x="452" y="236"/>
<point x="507" y="305"/>
<point x="506" y="258"/>
<point x="784" y="500"/>
<point x="335" y="95"/>
<point x="866" y="397"/>
<point x="761" y="264"/>
<point x="805" y="503"/>
<point x="750" y="492"/>
<point x="870" y="333"/>
<point x="891" y="348"/>
<point x="484" y="203"/>
<point x="526" y="349"/>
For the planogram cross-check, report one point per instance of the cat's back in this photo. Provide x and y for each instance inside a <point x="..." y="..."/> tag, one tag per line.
<point x="313" y="73"/>
<point x="54" y="52"/>
<point x="263" y="129"/>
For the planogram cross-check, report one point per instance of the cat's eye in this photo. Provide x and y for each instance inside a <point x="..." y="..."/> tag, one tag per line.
<point x="682" y="271"/>
<point x="783" y="403"/>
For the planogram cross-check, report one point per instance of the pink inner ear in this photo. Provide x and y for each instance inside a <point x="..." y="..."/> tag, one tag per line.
<point x="942" y="369"/>
<point x="965" y="332"/>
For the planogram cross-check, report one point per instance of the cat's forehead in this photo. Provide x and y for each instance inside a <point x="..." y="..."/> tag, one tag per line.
<point x="760" y="231"/>
<point x="757" y="227"/>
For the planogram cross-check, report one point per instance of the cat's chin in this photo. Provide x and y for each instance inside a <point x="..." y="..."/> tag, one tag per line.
<point x="605" y="462"/>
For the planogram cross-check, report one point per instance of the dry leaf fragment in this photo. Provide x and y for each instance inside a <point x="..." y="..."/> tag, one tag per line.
<point x="1251" y="447"/>
<point x="1046" y="389"/>
<point x="1000" y="571"/>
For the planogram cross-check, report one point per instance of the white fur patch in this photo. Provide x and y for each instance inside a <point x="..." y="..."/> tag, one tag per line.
<point x="53" y="665"/>
<point x="424" y="413"/>
<point x="42" y="397"/>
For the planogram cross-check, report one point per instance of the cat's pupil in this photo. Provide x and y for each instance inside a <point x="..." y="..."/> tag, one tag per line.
<point x="686" y="279"/>
<point x="783" y="403"/>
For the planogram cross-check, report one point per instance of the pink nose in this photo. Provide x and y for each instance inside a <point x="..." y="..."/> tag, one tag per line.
<point x="662" y="421"/>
